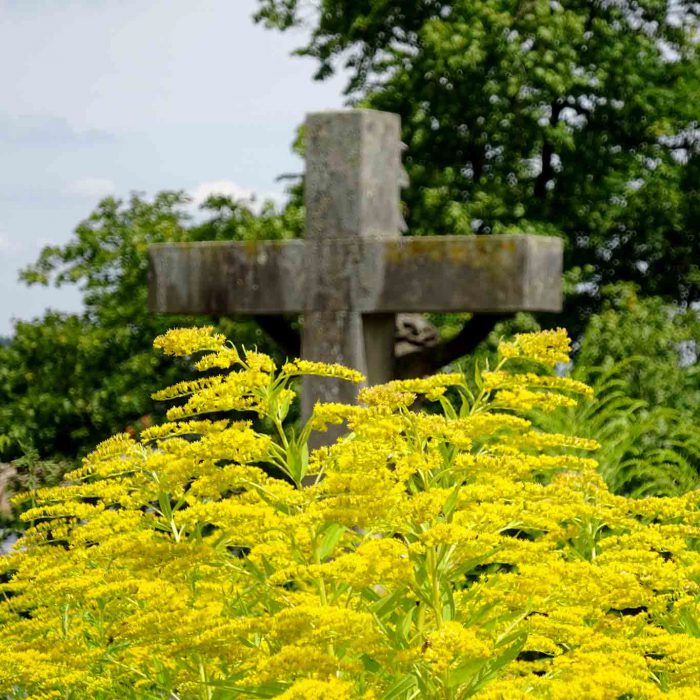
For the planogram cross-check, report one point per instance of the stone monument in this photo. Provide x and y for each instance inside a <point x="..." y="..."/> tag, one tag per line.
<point x="354" y="271"/>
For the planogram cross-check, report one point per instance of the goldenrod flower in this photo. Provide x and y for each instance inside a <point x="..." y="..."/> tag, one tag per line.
<point x="322" y="369"/>
<point x="443" y="555"/>
<point x="187" y="341"/>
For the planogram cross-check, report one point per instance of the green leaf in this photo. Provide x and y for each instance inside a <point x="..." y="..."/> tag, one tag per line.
<point x="403" y="628"/>
<point x="464" y="673"/>
<point x="401" y="689"/>
<point x="492" y="667"/>
<point x="330" y="538"/>
<point x="164" y="503"/>
<point x="369" y="664"/>
<point x="386" y="604"/>
<point x="451" y="501"/>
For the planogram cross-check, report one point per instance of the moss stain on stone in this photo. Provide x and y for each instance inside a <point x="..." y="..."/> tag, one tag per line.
<point x="478" y="252"/>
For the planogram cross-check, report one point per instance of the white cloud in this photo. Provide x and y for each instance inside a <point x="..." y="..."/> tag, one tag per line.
<point x="243" y="195"/>
<point x="91" y="188"/>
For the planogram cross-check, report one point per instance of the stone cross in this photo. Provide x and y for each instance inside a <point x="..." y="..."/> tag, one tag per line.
<point x="354" y="271"/>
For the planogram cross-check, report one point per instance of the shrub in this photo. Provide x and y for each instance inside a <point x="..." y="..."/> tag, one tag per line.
<point x="453" y="555"/>
<point x="645" y="450"/>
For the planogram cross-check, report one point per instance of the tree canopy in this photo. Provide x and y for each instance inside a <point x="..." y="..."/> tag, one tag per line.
<point x="574" y="118"/>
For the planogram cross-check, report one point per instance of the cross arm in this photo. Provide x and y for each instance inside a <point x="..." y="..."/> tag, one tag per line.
<point x="483" y="274"/>
<point x="225" y="277"/>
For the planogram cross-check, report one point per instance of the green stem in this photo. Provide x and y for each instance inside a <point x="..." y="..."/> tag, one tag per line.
<point x="280" y="432"/>
<point x="435" y="598"/>
<point x="174" y="529"/>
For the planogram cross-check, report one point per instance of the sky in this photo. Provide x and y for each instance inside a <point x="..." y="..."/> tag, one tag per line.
<point x="106" y="97"/>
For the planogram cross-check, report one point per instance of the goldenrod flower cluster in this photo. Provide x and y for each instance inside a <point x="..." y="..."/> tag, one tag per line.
<point x="455" y="555"/>
<point x="546" y="347"/>
<point x="322" y="369"/>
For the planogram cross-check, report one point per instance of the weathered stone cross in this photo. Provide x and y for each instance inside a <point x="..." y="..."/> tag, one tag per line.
<point x="354" y="271"/>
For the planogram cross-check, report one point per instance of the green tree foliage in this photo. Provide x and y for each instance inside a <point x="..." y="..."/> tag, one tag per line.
<point x="652" y="345"/>
<point x="576" y="118"/>
<point x="68" y="381"/>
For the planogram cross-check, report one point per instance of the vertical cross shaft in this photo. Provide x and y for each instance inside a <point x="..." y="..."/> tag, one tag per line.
<point x="353" y="177"/>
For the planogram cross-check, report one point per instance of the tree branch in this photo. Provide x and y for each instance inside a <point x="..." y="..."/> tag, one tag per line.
<point x="429" y="360"/>
<point x="418" y="363"/>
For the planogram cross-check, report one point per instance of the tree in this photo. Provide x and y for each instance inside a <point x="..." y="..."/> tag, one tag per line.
<point x="575" y="118"/>
<point x="68" y="381"/>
